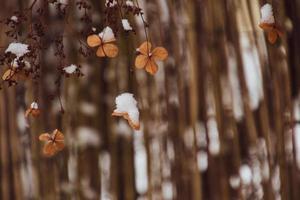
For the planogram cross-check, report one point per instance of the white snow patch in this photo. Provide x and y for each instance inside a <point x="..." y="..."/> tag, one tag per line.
<point x="107" y="34"/>
<point x="70" y="69"/>
<point x="34" y="105"/>
<point x="18" y="49"/>
<point x="267" y="14"/>
<point x="126" y="25"/>
<point x="126" y="103"/>
<point x="14" y="18"/>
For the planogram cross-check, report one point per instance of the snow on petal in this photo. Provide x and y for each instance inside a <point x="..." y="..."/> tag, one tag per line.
<point x="126" y="25"/>
<point x="127" y="104"/>
<point x="70" y="69"/>
<point x="107" y="34"/>
<point x="34" y="105"/>
<point x="18" y="49"/>
<point x="267" y="14"/>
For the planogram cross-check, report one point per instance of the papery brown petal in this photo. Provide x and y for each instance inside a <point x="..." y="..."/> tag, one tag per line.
<point x="8" y="75"/>
<point x="49" y="149"/>
<point x="59" y="145"/>
<point x="151" y="67"/>
<point x="45" y="137"/>
<point x="109" y="50"/>
<point x="272" y="36"/>
<point x="160" y="53"/>
<point x="141" y="61"/>
<point x="94" y="40"/>
<point x="145" y="48"/>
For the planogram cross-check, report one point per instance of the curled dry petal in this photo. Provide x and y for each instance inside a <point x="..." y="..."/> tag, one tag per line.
<point x="135" y="126"/>
<point x="8" y="75"/>
<point x="272" y="36"/>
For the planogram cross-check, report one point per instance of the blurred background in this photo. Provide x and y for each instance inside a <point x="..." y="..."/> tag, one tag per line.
<point x="219" y="120"/>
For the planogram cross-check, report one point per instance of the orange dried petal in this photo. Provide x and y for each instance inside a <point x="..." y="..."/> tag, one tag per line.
<point x="266" y="26"/>
<point x="126" y="116"/>
<point x="49" y="149"/>
<point x="141" y="61"/>
<point x="151" y="67"/>
<point x="59" y="145"/>
<point x="8" y="75"/>
<point x="58" y="136"/>
<point x="160" y="53"/>
<point x="45" y="137"/>
<point x="94" y="40"/>
<point x="272" y="36"/>
<point x="109" y="50"/>
<point x="145" y="48"/>
<point x="35" y="112"/>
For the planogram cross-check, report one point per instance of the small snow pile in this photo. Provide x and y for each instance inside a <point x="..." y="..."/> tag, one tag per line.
<point x="34" y="105"/>
<point x="267" y="14"/>
<point x="127" y="107"/>
<point x="70" y="69"/>
<point x="129" y="3"/>
<point x="14" y="18"/>
<point x="18" y="49"/>
<point x="107" y="34"/>
<point x="111" y="3"/>
<point x="126" y="25"/>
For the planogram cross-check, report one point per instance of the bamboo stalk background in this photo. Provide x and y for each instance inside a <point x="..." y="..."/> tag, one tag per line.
<point x="217" y="118"/>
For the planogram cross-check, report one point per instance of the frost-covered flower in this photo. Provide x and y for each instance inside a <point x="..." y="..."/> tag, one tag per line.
<point x="267" y="23"/>
<point x="105" y="43"/>
<point x="33" y="110"/>
<point x="126" y="106"/>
